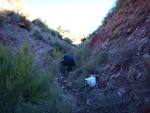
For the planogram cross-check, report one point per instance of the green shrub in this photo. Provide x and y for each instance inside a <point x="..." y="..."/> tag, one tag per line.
<point x="83" y="40"/>
<point x="59" y="35"/>
<point x="37" y="34"/>
<point x="57" y="102"/>
<point x="26" y="22"/>
<point x="61" y="46"/>
<point x="105" y="103"/>
<point x="14" y="18"/>
<point x="2" y="18"/>
<point x="82" y="55"/>
<point x="68" y="40"/>
<point x="116" y="33"/>
<point x="77" y="79"/>
<point x="95" y="63"/>
<point x="20" y="82"/>
<point x="85" y="56"/>
<point x="119" y="4"/>
<point x="56" y="53"/>
<point x="25" y="88"/>
<point x="53" y="33"/>
<point x="43" y="26"/>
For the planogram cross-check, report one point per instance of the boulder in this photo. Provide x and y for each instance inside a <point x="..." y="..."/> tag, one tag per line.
<point x="22" y="25"/>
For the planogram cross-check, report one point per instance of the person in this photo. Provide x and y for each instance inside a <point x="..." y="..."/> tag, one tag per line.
<point x="68" y="64"/>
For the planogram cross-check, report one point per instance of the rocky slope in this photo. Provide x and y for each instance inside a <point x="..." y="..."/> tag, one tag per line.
<point x="47" y="48"/>
<point x="124" y="78"/>
<point x="16" y="29"/>
<point x="16" y="37"/>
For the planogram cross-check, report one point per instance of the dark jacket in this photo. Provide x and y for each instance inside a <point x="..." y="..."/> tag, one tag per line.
<point x="68" y="60"/>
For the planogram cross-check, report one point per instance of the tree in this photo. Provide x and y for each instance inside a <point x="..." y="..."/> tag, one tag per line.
<point x="60" y="29"/>
<point x="64" y="32"/>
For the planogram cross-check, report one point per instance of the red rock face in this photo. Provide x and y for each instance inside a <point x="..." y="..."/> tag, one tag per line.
<point x="126" y="39"/>
<point x="134" y="15"/>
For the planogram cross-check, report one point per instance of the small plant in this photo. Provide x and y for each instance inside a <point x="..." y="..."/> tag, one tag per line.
<point x="83" y="40"/>
<point x="60" y="46"/>
<point x="49" y="38"/>
<point x="119" y="4"/>
<point x="37" y="34"/>
<point x="95" y="63"/>
<point x="68" y="40"/>
<point x="56" y="53"/>
<point x="85" y="56"/>
<point x="14" y="17"/>
<point x="53" y="62"/>
<point x="104" y="104"/>
<point x="53" y="33"/>
<point x="76" y="82"/>
<point x="2" y="18"/>
<point x="57" y="102"/>
<point x="26" y="22"/>
<point x="43" y="26"/>
<point x="59" y="35"/>
<point x="116" y="34"/>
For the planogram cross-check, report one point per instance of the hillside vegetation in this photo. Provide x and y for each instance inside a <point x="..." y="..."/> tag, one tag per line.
<point x="118" y="52"/>
<point x="25" y="87"/>
<point x="30" y="53"/>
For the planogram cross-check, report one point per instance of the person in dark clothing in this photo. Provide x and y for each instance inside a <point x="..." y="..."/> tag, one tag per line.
<point x="68" y="64"/>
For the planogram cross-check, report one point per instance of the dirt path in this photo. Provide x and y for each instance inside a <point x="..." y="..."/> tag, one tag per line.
<point x="79" y="103"/>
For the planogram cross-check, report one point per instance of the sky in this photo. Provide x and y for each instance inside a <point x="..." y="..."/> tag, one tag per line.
<point x="80" y="16"/>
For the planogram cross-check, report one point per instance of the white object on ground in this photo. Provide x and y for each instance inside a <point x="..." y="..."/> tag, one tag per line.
<point x="91" y="81"/>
